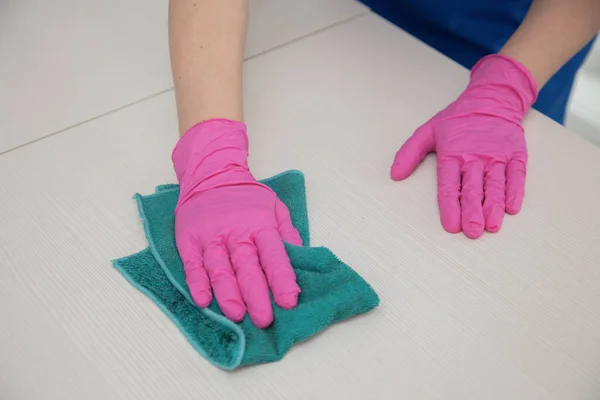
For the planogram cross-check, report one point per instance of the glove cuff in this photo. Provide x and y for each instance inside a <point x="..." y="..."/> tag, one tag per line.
<point x="502" y="71"/>
<point x="210" y="154"/>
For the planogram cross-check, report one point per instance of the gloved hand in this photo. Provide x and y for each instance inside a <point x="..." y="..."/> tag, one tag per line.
<point x="229" y="227"/>
<point x="480" y="146"/>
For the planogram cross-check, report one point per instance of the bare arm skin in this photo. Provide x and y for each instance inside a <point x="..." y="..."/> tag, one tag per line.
<point x="207" y="40"/>
<point x="553" y="31"/>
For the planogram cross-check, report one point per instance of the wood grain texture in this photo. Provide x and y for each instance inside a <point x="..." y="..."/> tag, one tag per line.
<point x="66" y="62"/>
<point x="515" y="315"/>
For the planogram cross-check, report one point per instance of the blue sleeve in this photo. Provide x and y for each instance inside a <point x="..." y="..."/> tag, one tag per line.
<point x="466" y="30"/>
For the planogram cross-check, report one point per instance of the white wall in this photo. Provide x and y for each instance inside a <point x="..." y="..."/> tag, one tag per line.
<point x="583" y="114"/>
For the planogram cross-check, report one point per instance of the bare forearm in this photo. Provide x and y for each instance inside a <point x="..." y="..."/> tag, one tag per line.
<point x="553" y="31"/>
<point x="206" y="41"/>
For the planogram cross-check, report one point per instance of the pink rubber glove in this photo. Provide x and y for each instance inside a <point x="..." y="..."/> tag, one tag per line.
<point x="480" y="146"/>
<point x="229" y="227"/>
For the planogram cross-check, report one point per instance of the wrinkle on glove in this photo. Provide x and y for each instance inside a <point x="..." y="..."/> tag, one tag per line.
<point x="230" y="228"/>
<point x="480" y="146"/>
<point x="331" y="290"/>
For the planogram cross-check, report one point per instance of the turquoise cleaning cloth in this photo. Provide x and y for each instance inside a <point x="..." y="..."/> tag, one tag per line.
<point x="331" y="291"/>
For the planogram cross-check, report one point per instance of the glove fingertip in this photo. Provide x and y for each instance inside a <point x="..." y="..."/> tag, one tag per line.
<point x="400" y="171"/>
<point x="201" y="297"/>
<point x="450" y="225"/>
<point x="473" y="230"/>
<point x="412" y="153"/>
<point x="493" y="218"/>
<point x="514" y="203"/>
<point x="513" y="209"/>
<point x="233" y="310"/>
<point x="262" y="319"/>
<point x="450" y="213"/>
<point x="287" y="300"/>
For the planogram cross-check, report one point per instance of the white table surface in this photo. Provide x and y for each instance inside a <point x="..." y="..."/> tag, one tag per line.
<point x="513" y="315"/>
<point x="68" y="61"/>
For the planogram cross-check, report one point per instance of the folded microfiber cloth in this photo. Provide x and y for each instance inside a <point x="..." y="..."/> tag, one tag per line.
<point x="331" y="291"/>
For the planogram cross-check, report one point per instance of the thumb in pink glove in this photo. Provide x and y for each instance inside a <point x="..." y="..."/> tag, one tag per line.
<point x="229" y="227"/>
<point x="480" y="146"/>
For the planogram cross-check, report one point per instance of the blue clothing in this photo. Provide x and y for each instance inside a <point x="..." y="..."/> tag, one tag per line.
<point x="466" y="30"/>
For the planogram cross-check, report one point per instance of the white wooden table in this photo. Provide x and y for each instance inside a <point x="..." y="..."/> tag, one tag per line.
<point x="513" y="315"/>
